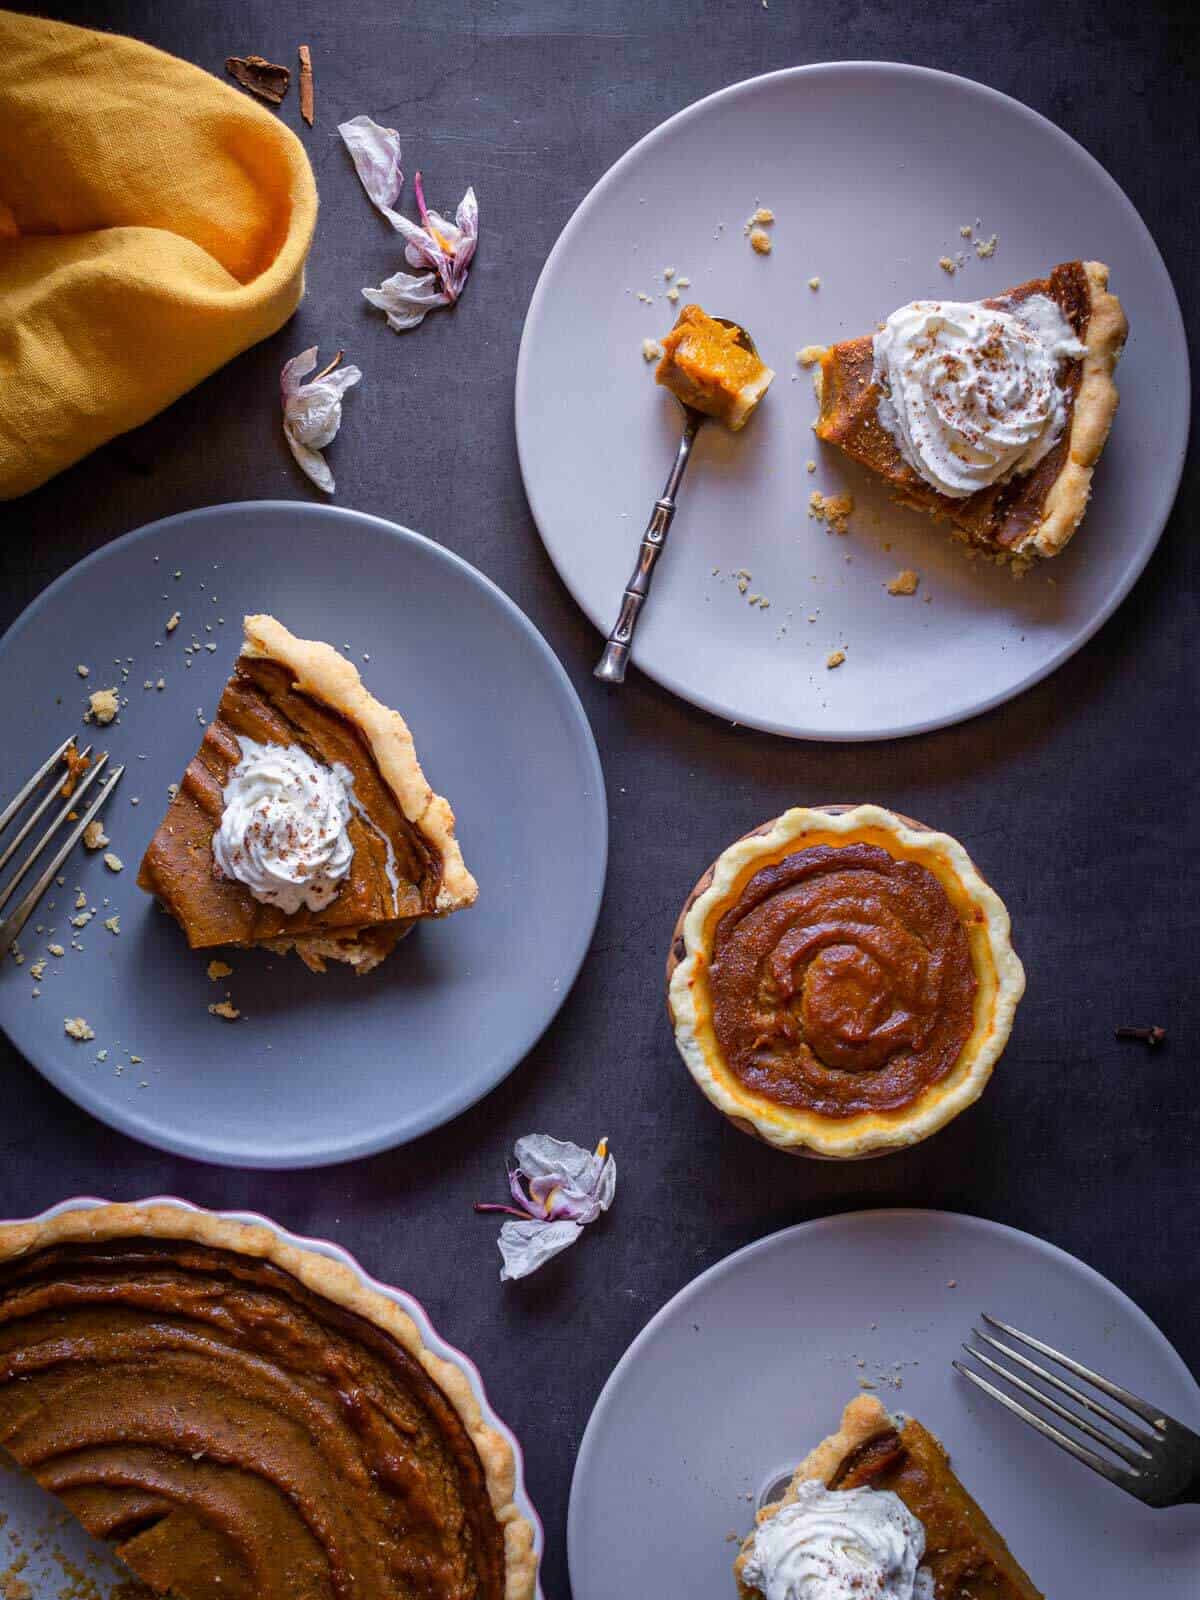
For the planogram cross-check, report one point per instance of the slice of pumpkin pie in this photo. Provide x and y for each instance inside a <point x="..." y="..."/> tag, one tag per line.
<point x="304" y="821"/>
<point x="877" y="1510"/>
<point x="989" y="413"/>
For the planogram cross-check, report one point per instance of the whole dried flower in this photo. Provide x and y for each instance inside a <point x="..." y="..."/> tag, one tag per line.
<point x="312" y="411"/>
<point x="445" y="248"/>
<point x="558" y="1188"/>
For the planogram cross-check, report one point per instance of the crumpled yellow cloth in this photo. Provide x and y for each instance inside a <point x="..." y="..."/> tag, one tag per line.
<point x="153" y="223"/>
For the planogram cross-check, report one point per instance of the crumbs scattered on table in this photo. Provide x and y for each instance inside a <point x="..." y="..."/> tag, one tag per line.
<point x="835" y="660"/>
<point x="652" y="350"/>
<point x="103" y="706"/>
<point x="173" y="622"/>
<point x="113" y="862"/>
<point x="219" y="969"/>
<point x="760" y="241"/>
<point x="810" y="354"/>
<point x="948" y="264"/>
<point x="986" y="248"/>
<point x="834" y="510"/>
<point x="814" y="283"/>
<point x="78" y="1029"/>
<point x="226" y="1009"/>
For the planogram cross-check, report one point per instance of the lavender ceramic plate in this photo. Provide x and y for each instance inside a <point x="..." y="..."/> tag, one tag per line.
<point x="745" y="1369"/>
<point x="28" y="1510"/>
<point x="871" y="170"/>
<point x="318" y="1068"/>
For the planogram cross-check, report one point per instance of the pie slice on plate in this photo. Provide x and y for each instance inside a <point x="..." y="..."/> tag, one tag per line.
<point x="304" y="821"/>
<point x="878" y="1502"/>
<point x="245" y="1419"/>
<point x="991" y="414"/>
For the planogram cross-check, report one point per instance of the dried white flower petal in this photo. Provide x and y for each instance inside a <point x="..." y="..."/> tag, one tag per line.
<point x="375" y="152"/>
<point x="312" y="412"/>
<point x="526" y="1246"/>
<point x="406" y="300"/>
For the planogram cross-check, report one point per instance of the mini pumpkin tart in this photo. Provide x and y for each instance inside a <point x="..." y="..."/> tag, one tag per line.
<point x="990" y="414"/>
<point x="304" y="821"/>
<point x="244" y="1418"/>
<point x="877" y="1503"/>
<point x="841" y="981"/>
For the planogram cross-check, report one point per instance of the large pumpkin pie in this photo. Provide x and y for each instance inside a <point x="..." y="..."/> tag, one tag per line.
<point x="247" y="1420"/>
<point x="304" y="821"/>
<point x="841" y="981"/>
<point x="878" y="1502"/>
<point x="990" y="414"/>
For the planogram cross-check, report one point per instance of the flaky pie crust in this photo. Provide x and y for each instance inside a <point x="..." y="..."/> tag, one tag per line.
<point x="334" y="1281"/>
<point x="1000" y="977"/>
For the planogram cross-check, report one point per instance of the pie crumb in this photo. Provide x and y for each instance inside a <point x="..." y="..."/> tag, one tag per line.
<point x="810" y="355"/>
<point x="760" y="241"/>
<point x="226" y="1009"/>
<point x="673" y="294"/>
<point x="965" y="231"/>
<point x="113" y="924"/>
<point x="763" y="214"/>
<point x="219" y="969"/>
<point x="103" y="706"/>
<point x="77" y="1028"/>
<point x="948" y="264"/>
<point x="172" y="622"/>
<point x="112" y="862"/>
<point x="810" y="466"/>
<point x="835" y="660"/>
<point x="904" y="582"/>
<point x="985" y="248"/>
<point x="82" y="670"/>
<point x="651" y="350"/>
<point x="56" y="950"/>
<point x="814" y="283"/>
<point x="834" y="510"/>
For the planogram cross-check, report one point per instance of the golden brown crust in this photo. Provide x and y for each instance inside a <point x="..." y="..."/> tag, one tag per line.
<point x="335" y="1282"/>
<point x="1095" y="408"/>
<point x="1001" y="983"/>
<point x="864" y="1419"/>
<point x="321" y="672"/>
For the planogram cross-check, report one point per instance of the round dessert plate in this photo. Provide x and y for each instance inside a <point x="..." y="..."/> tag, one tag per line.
<point x="872" y="170"/>
<point x="15" y="1496"/>
<point x="317" y="1068"/>
<point x="740" y="1375"/>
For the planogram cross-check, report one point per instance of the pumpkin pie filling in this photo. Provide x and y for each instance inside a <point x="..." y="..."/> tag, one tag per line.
<point x="1026" y="513"/>
<point x="236" y="1434"/>
<point x="841" y="981"/>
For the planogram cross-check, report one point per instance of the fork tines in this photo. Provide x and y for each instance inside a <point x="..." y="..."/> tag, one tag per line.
<point x="71" y="811"/>
<point x="1156" y="1458"/>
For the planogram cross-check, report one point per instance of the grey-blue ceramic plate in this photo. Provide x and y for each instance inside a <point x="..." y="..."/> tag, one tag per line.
<point x="318" y="1068"/>
<point x="737" y="1378"/>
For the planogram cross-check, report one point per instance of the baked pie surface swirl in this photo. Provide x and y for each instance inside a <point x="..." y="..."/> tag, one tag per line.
<point x="245" y="1418"/>
<point x="841" y="982"/>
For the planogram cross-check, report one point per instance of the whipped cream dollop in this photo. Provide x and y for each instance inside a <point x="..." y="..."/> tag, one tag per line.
<point x="842" y="1544"/>
<point x="970" y="392"/>
<point x="283" y="828"/>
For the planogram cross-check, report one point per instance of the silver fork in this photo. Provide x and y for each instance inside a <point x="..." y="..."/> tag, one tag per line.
<point x="1160" y="1464"/>
<point x="17" y="918"/>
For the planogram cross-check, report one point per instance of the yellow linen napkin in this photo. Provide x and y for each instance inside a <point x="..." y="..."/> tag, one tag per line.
<point x="153" y="223"/>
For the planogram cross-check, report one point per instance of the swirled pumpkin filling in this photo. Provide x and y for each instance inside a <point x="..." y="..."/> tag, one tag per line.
<point x="842" y="981"/>
<point x="236" y="1434"/>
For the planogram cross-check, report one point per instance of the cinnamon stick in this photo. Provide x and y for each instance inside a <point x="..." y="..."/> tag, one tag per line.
<point x="306" y="84"/>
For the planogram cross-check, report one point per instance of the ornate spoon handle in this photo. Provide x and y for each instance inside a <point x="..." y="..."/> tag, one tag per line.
<point x="612" y="664"/>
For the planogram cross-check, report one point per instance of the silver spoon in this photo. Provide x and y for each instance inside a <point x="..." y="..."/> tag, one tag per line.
<point x="613" y="662"/>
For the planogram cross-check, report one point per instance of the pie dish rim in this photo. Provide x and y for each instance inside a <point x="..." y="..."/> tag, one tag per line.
<point x="330" y="1271"/>
<point x="799" y="1131"/>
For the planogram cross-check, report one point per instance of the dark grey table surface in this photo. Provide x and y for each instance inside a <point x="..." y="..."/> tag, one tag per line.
<point x="1077" y="799"/>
